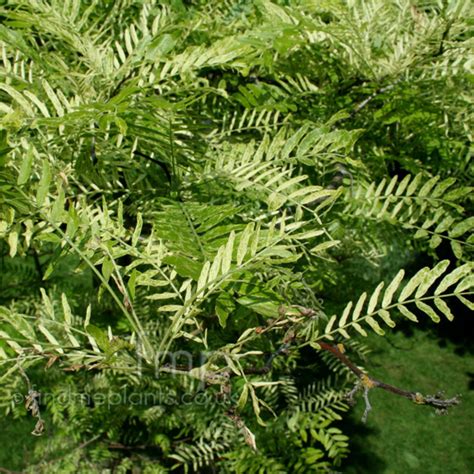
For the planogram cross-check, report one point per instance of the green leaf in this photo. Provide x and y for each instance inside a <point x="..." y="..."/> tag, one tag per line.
<point x="428" y="186"/>
<point x="392" y="288"/>
<point x="184" y="266"/>
<point x="412" y="285"/>
<point x="385" y="315"/>
<point x="430" y="277"/>
<point x="48" y="305"/>
<point x="309" y="234"/>
<point x="243" y="244"/>
<point x="314" y="196"/>
<point x="444" y="225"/>
<point x="13" y="242"/>
<point x="256" y="407"/>
<point x="166" y="295"/>
<point x="374" y="298"/>
<point x="345" y="315"/>
<point x="66" y="309"/>
<point x="216" y="264"/>
<point x="44" y="183"/>
<point x="462" y="227"/>
<point x="414" y="185"/>
<point x="375" y="326"/>
<point x="457" y="249"/>
<point x="107" y="268"/>
<point x="25" y="169"/>
<point x="290" y="182"/>
<point x="444" y="308"/>
<point x="131" y="284"/>
<point x="18" y="97"/>
<point x="227" y="256"/>
<point x="170" y="308"/>
<point x="428" y="310"/>
<point x="465" y="301"/>
<point x="403" y="184"/>
<point x="293" y="140"/>
<point x="344" y="333"/>
<point x="224" y="306"/>
<point x="51" y="339"/>
<point x="261" y="304"/>
<point x="441" y="188"/>
<point x="275" y="201"/>
<point x="53" y="98"/>
<point x="457" y="193"/>
<point x="359" y="306"/>
<point x="202" y="281"/>
<point x="244" y="395"/>
<point x="99" y="336"/>
<point x="391" y="186"/>
<point x="138" y="230"/>
<point x="57" y="211"/>
<point x="324" y="246"/>
<point x="407" y="313"/>
<point x="330" y="324"/>
<point x="420" y="234"/>
<point x="359" y="329"/>
<point x="453" y="277"/>
<point x="19" y="322"/>
<point x="465" y="284"/>
<point x="435" y="241"/>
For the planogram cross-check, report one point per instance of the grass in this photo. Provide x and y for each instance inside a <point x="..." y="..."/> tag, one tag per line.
<point x="401" y="437"/>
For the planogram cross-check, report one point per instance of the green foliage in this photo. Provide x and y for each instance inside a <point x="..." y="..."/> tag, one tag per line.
<point x="185" y="190"/>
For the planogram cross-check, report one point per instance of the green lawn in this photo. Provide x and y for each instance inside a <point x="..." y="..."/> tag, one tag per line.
<point x="401" y="437"/>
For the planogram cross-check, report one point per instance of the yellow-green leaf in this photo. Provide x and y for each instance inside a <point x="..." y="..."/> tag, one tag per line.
<point x="138" y="230"/>
<point x="453" y="277"/>
<point x="392" y="288"/>
<point x="43" y="186"/>
<point x="444" y="308"/>
<point x="227" y="256"/>
<point x="359" y="306"/>
<point x="374" y="298"/>
<point x="430" y="277"/>
<point x="25" y="168"/>
<point x="345" y="315"/>
<point x="385" y="315"/>
<point x="375" y="326"/>
<point x="412" y="285"/>
<point x="407" y="313"/>
<point x="428" y="310"/>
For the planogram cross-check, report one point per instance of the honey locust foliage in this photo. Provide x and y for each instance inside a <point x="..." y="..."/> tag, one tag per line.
<point x="192" y="192"/>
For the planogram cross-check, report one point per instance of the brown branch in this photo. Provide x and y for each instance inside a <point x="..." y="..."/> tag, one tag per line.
<point x="366" y="382"/>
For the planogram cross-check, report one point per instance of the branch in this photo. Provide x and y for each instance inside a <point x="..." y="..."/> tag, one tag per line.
<point x="366" y="383"/>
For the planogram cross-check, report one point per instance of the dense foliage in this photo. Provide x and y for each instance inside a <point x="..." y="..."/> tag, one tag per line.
<point x="195" y="196"/>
